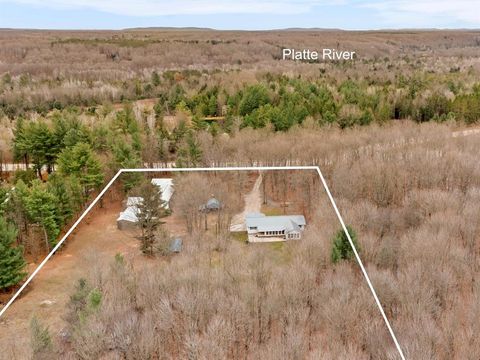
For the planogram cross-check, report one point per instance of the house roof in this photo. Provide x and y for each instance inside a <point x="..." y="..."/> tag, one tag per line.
<point x="130" y="214"/>
<point x="166" y="186"/>
<point x="134" y="200"/>
<point x="213" y="203"/>
<point x="285" y="223"/>
<point x="176" y="245"/>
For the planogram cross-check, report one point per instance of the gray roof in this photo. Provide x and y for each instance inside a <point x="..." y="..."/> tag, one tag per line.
<point x="285" y="223"/>
<point x="213" y="204"/>
<point x="176" y="245"/>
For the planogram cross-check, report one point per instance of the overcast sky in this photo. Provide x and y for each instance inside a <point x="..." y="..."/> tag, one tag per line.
<point x="237" y="14"/>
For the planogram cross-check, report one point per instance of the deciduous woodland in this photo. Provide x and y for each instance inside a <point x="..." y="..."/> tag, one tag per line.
<point x="393" y="131"/>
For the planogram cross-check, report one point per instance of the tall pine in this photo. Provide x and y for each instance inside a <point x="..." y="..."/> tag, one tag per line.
<point x="150" y="211"/>
<point x="12" y="263"/>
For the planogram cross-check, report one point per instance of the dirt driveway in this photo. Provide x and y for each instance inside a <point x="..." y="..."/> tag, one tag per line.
<point x="253" y="203"/>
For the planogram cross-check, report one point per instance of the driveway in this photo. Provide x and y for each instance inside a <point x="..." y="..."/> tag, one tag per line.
<point x="253" y="203"/>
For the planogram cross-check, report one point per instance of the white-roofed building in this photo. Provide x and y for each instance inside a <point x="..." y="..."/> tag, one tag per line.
<point x="285" y="227"/>
<point x="128" y="218"/>
<point x="134" y="201"/>
<point x="166" y="187"/>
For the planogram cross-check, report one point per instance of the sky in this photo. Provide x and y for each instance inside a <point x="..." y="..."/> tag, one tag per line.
<point x="240" y="15"/>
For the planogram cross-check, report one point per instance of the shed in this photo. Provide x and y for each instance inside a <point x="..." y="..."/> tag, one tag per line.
<point x="166" y="187"/>
<point x="128" y="219"/>
<point x="134" y="201"/>
<point x="176" y="245"/>
<point x="211" y="205"/>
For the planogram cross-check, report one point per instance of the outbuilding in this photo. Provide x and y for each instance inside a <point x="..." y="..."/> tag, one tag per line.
<point x="166" y="187"/>
<point x="176" y="245"/>
<point x="128" y="218"/>
<point x="211" y="205"/>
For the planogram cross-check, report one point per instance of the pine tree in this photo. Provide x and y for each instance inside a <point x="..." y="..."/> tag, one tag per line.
<point x="58" y="186"/>
<point x="342" y="250"/>
<point x="150" y="211"/>
<point x="12" y="263"/>
<point x="40" y="145"/>
<point x="79" y="161"/>
<point x="20" y="147"/>
<point x="190" y="154"/>
<point x="42" y="208"/>
<point x="126" y="158"/>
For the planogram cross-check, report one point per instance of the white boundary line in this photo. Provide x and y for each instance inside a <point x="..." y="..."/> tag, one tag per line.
<point x="244" y="168"/>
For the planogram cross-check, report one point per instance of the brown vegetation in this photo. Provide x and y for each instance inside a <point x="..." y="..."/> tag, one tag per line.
<point x="410" y="191"/>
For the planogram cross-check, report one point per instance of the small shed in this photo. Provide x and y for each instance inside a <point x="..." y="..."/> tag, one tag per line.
<point x="211" y="205"/>
<point x="166" y="187"/>
<point x="176" y="245"/>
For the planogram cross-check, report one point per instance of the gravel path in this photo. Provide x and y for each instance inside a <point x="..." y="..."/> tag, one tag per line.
<point x="253" y="203"/>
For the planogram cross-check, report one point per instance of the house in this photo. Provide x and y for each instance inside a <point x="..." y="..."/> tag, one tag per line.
<point x="274" y="228"/>
<point x="211" y="205"/>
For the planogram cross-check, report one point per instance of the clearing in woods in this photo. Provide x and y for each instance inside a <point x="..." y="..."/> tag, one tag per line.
<point x="92" y="237"/>
<point x="96" y="236"/>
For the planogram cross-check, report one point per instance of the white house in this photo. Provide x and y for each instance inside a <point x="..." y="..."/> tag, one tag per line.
<point x="286" y="227"/>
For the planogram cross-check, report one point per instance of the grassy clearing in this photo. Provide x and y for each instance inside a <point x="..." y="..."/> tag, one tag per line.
<point x="240" y="236"/>
<point x="271" y="210"/>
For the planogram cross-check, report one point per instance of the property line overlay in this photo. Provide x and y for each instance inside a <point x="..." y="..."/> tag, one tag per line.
<point x="212" y="169"/>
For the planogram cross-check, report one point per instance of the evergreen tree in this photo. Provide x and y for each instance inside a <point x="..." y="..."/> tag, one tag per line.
<point x="59" y="187"/>
<point x="12" y="263"/>
<point x="20" y="147"/>
<point x="80" y="162"/>
<point x="40" y="339"/>
<point x="41" y="207"/>
<point x="253" y="97"/>
<point x="126" y="158"/>
<point x="190" y="154"/>
<point x="41" y="146"/>
<point x="3" y="200"/>
<point x="155" y="78"/>
<point x="125" y="121"/>
<point x="341" y="249"/>
<point x="150" y="211"/>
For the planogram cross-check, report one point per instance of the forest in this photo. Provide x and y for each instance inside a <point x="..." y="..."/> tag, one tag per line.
<point x="389" y="130"/>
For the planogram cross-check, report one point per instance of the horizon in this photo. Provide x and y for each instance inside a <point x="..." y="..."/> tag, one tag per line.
<point x="196" y="28"/>
<point x="250" y="15"/>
